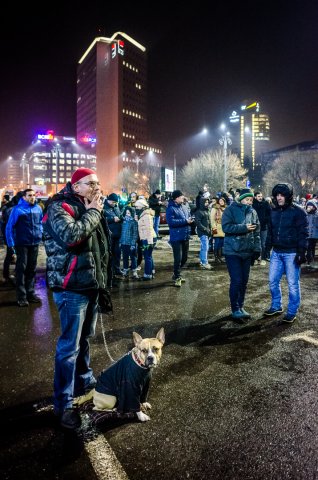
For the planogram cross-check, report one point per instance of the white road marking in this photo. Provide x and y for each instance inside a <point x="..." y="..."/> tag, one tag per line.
<point x="307" y="336"/>
<point x="103" y="460"/>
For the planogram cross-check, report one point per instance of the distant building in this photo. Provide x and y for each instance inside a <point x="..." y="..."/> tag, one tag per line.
<point x="267" y="158"/>
<point x="112" y="106"/>
<point x="47" y="164"/>
<point x="250" y="133"/>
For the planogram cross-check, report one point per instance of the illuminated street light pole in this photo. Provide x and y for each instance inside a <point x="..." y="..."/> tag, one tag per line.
<point x="56" y="149"/>
<point x="225" y="141"/>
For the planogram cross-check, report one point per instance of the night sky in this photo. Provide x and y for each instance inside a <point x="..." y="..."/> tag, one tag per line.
<point x="202" y="65"/>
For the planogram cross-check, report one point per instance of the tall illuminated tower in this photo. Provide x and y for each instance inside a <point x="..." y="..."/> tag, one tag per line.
<point x="112" y="104"/>
<point x="253" y="135"/>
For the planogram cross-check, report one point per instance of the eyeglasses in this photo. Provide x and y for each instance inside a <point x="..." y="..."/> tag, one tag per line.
<point x="91" y="184"/>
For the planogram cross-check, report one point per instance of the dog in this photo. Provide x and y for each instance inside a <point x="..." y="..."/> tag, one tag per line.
<point x="125" y="384"/>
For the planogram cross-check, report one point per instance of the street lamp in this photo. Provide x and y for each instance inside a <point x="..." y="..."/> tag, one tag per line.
<point x="56" y="150"/>
<point x="225" y="141"/>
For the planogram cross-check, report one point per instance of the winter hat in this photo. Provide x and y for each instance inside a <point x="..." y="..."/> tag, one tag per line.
<point x="141" y="203"/>
<point x="284" y="189"/>
<point x="131" y="210"/>
<point x="113" y="197"/>
<point x="176" y="193"/>
<point x="311" y="203"/>
<point x="308" y="196"/>
<point x="157" y="192"/>
<point x="245" y="192"/>
<point x="81" y="173"/>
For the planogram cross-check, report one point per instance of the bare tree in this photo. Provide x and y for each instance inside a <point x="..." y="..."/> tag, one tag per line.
<point x="145" y="181"/>
<point x="128" y="180"/>
<point x="208" y="169"/>
<point x="298" y="168"/>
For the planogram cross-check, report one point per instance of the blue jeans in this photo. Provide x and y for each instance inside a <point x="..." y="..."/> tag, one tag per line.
<point x="281" y="263"/>
<point x="156" y="221"/>
<point x="73" y="375"/>
<point x="147" y="253"/>
<point x="204" y="239"/>
<point x="239" y="270"/>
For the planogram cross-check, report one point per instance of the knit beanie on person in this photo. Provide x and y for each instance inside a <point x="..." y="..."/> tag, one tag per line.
<point x="311" y="203"/>
<point x="81" y="173"/>
<point x="175" y="194"/>
<point x="245" y="192"/>
<point x="157" y="192"/>
<point x="113" y="197"/>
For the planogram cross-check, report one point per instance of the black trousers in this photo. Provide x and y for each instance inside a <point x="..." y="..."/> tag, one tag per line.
<point x="180" y="250"/>
<point x="25" y="269"/>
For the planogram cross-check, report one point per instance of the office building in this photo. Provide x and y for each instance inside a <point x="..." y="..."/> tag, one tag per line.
<point x="112" y="106"/>
<point x="250" y="130"/>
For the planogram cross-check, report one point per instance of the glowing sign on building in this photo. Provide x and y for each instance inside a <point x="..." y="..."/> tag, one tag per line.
<point x="88" y="139"/>
<point x="49" y="135"/>
<point x="117" y="47"/>
<point x="234" y="117"/>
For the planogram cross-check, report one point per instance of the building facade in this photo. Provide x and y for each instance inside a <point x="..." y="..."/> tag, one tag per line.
<point x="50" y="161"/>
<point x="112" y="106"/>
<point x="251" y="134"/>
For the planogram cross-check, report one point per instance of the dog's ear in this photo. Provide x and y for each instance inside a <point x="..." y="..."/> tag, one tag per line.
<point x="161" y="335"/>
<point x="137" y="338"/>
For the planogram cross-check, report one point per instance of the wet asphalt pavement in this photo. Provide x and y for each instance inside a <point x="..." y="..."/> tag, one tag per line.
<point x="228" y="401"/>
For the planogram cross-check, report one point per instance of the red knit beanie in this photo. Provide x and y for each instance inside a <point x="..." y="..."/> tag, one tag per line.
<point x="308" y="196"/>
<point x="80" y="173"/>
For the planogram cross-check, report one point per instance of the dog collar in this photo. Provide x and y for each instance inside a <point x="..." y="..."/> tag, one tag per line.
<point x="138" y="361"/>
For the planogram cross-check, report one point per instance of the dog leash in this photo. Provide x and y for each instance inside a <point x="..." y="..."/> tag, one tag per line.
<point x="104" y="337"/>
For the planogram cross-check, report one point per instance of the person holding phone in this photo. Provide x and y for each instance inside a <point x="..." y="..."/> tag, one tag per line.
<point x="77" y="244"/>
<point x="242" y="243"/>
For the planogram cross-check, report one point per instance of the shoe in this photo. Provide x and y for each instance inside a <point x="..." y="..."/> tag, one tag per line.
<point x="206" y="266"/>
<point x="135" y="275"/>
<point x="273" y="311"/>
<point x="175" y="278"/>
<point x="263" y="263"/>
<point x="146" y="278"/>
<point x="34" y="299"/>
<point x="70" y="419"/>
<point x="238" y="317"/>
<point x="289" y="318"/>
<point x="23" y="303"/>
<point x="245" y="313"/>
<point x="77" y="401"/>
<point x="138" y="268"/>
<point x="178" y="282"/>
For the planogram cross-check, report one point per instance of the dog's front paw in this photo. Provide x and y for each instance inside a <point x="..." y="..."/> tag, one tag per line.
<point x="142" y="417"/>
<point x="145" y="406"/>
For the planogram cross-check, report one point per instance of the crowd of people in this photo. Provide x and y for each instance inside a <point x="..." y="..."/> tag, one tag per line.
<point x="91" y="243"/>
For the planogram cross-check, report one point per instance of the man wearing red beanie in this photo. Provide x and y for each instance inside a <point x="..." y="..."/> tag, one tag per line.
<point x="76" y="239"/>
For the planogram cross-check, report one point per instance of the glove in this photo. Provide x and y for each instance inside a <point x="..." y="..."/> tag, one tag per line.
<point x="300" y="258"/>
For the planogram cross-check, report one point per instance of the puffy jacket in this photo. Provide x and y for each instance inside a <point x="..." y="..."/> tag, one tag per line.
<point x="238" y="240"/>
<point x="313" y="224"/>
<point x="288" y="229"/>
<point x="77" y="244"/>
<point x="145" y="226"/>
<point x="24" y="225"/>
<point x="202" y="219"/>
<point x="176" y="216"/>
